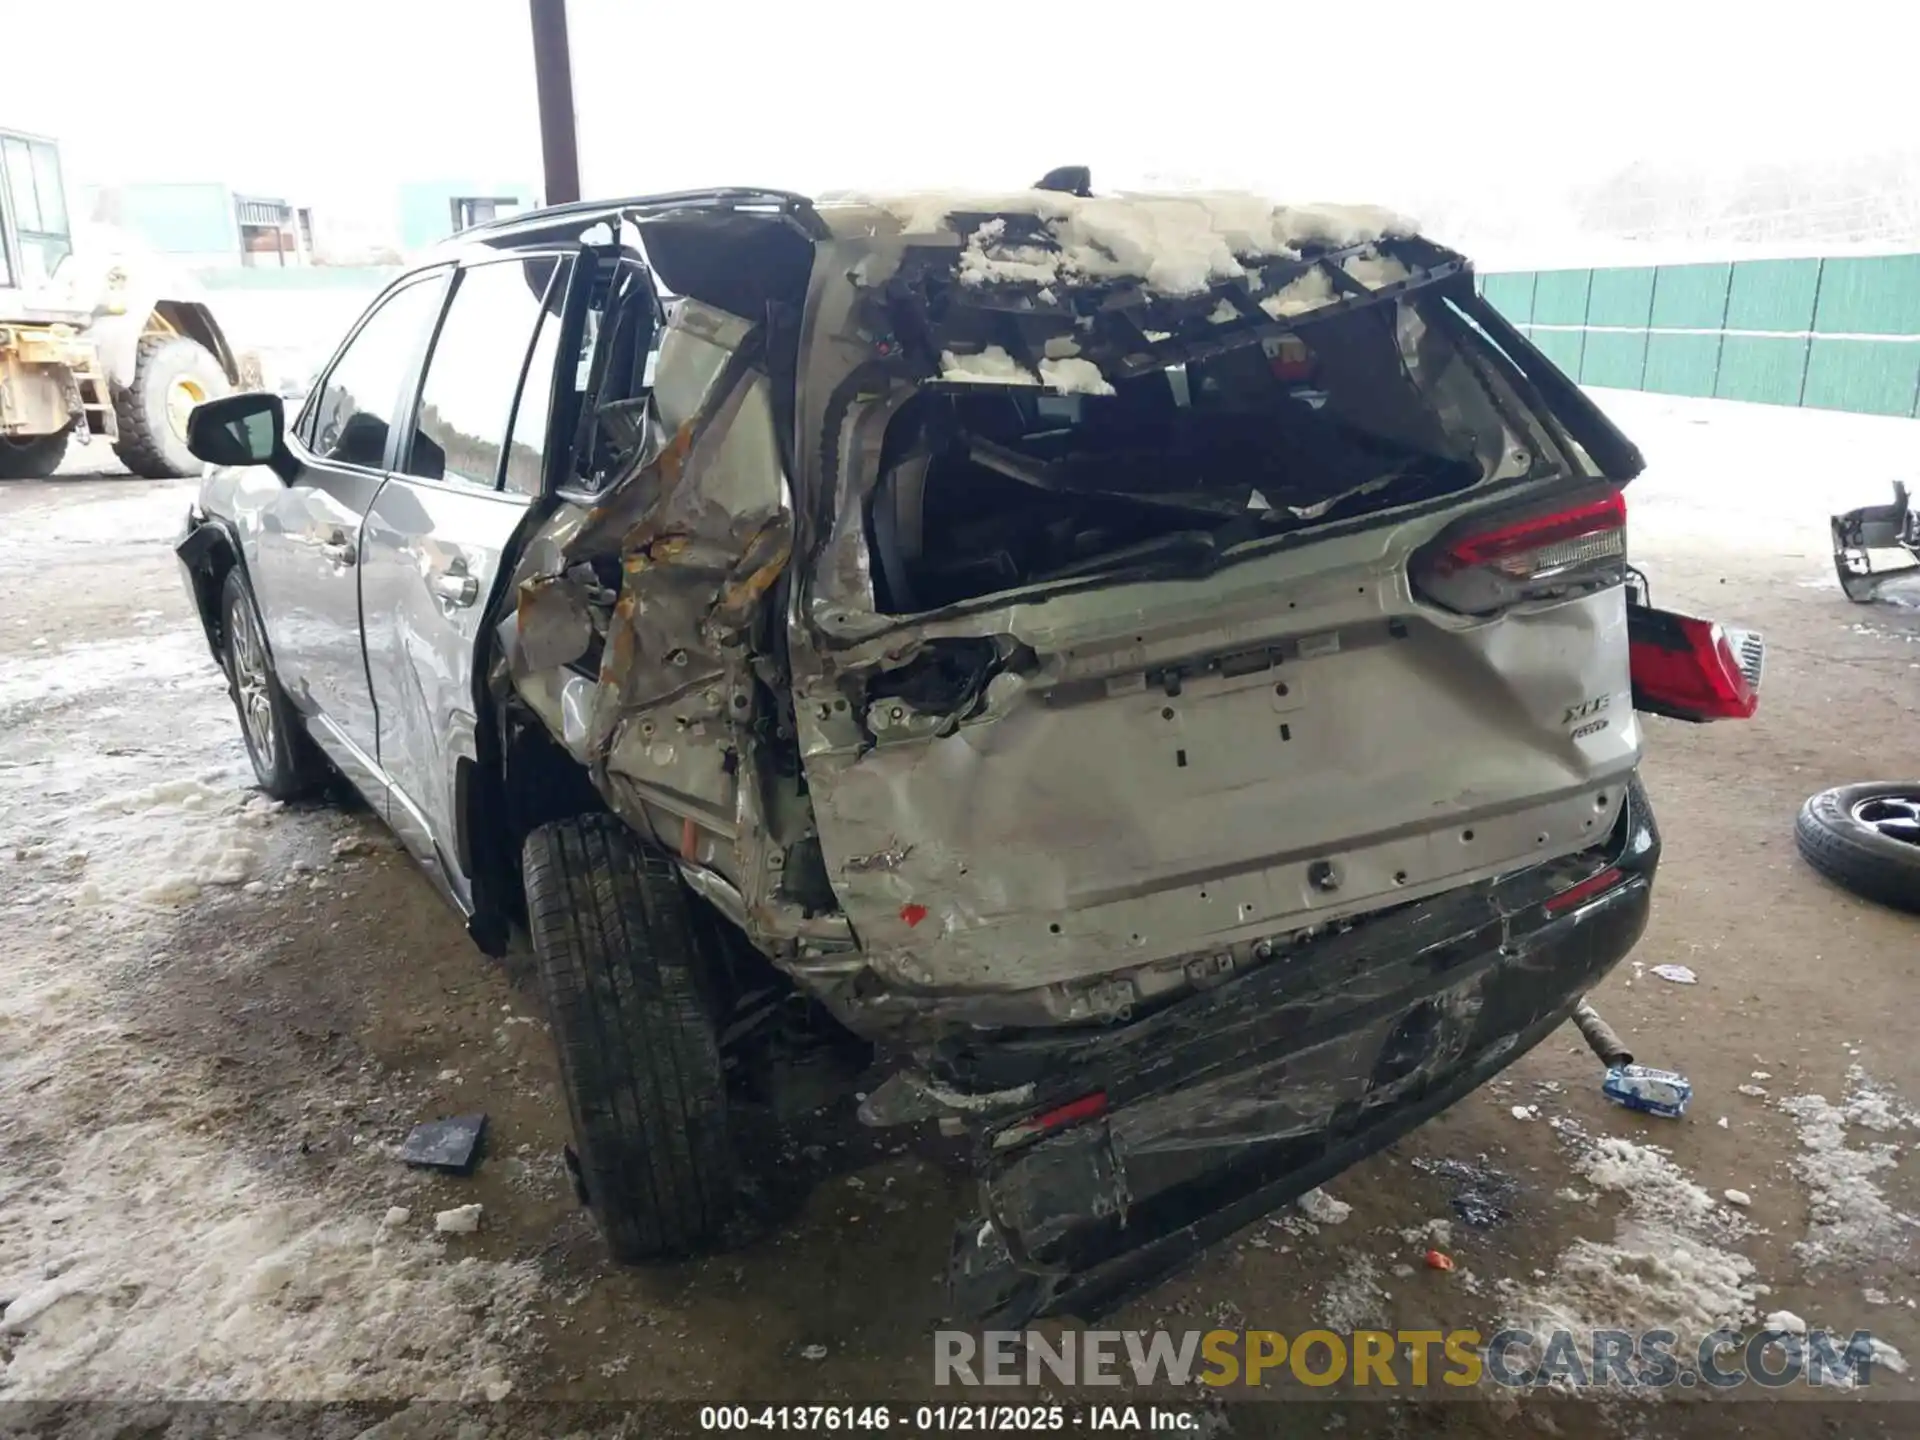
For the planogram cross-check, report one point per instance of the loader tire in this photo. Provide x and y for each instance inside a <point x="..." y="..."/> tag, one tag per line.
<point x="34" y="458"/>
<point x="1866" y="838"/>
<point x="619" y="953"/>
<point x="171" y="373"/>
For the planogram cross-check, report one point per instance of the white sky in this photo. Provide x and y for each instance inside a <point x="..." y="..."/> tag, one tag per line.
<point x="1380" y="101"/>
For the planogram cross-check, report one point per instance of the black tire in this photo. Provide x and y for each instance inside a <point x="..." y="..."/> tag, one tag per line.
<point x="1838" y="836"/>
<point x="285" y="761"/>
<point x="34" y="458"/>
<point x="149" y="444"/>
<point x="619" y="955"/>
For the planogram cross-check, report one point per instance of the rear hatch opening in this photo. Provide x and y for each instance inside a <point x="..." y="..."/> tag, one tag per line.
<point x="1129" y="433"/>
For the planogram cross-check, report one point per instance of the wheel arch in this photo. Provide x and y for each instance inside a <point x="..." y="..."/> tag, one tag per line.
<point x="118" y="337"/>
<point x="208" y="553"/>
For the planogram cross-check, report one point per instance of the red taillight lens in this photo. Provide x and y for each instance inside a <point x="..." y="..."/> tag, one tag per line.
<point x="1690" y="669"/>
<point x="1542" y="554"/>
<point x="1590" y="888"/>
<point x="1047" y="1121"/>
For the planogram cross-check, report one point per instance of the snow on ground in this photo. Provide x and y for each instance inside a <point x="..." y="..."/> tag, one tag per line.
<point x="1851" y="1222"/>
<point x="144" y="1248"/>
<point x="1667" y="1267"/>
<point x="1757" y="479"/>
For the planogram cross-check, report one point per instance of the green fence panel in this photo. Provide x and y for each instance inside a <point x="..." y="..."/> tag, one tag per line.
<point x="1690" y="297"/>
<point x="1560" y="297"/>
<point x="1681" y="364"/>
<point x="1762" y="368"/>
<point x="1511" y="295"/>
<point x="1870" y="295"/>
<point x="1614" y="358"/>
<point x="1621" y="297"/>
<point x="1875" y="377"/>
<point x="1773" y="295"/>
<point x="1562" y="347"/>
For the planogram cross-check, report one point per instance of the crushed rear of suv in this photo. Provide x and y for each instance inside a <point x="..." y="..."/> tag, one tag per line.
<point x="1149" y="681"/>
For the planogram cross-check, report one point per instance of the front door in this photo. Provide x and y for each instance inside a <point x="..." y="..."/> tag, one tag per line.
<point x="435" y="536"/>
<point x="306" y="565"/>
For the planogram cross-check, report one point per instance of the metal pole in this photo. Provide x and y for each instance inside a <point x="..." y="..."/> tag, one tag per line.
<point x="553" y="76"/>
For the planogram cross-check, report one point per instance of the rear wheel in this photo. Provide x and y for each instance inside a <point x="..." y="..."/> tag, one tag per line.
<point x="171" y="375"/>
<point x="32" y="458"/>
<point x="285" y="761"/>
<point x="620" y="955"/>
<point x="1866" y="838"/>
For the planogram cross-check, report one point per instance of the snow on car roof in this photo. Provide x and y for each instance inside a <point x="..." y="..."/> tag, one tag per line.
<point x="1177" y="244"/>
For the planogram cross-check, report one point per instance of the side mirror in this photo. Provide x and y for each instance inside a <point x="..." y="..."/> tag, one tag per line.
<point x="249" y="429"/>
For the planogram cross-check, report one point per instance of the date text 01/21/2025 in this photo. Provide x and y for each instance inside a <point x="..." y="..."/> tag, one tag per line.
<point x="947" y="1419"/>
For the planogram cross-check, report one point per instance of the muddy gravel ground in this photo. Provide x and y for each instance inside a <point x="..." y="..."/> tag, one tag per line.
<point x="219" y="1015"/>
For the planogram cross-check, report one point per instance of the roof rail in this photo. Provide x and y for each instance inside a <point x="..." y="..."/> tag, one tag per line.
<point x="720" y="198"/>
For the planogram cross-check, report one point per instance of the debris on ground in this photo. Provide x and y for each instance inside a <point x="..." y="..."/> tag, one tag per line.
<point x="1355" y="1299"/>
<point x="1322" y="1208"/>
<point x="813" y="1352"/>
<point x="1525" y="1112"/>
<point x="1677" y="974"/>
<point x="1439" y="1260"/>
<point x="1786" y="1322"/>
<point x="1483" y="1194"/>
<point x="1755" y="1091"/>
<point x="350" y="845"/>
<point x="1651" y="1092"/>
<point x="396" y="1216"/>
<point x="1737" y="1197"/>
<point x="452" y="1144"/>
<point x="461" y="1220"/>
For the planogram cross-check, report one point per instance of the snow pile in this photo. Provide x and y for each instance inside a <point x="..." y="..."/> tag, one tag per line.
<point x="1355" y="1299"/>
<point x="1322" y="1208"/>
<point x="1308" y="291"/>
<point x="1175" y="244"/>
<point x="992" y="366"/>
<point x="205" y="835"/>
<point x="1665" y="1268"/>
<point x="1851" y="1221"/>
<point x="1074" y="377"/>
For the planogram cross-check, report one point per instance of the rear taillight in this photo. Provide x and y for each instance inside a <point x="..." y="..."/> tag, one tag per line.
<point x="1489" y="562"/>
<point x="1692" y="669"/>
<point x="1591" y="888"/>
<point x="1048" y="1121"/>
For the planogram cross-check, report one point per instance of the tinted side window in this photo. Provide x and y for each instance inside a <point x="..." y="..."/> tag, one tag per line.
<point x="466" y="401"/>
<point x="527" y="452"/>
<point x="361" y="394"/>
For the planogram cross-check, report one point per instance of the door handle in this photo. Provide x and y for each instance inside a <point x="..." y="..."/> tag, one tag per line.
<point x="455" y="587"/>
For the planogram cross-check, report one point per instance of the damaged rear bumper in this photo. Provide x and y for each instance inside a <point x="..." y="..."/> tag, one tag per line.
<point x="1238" y="1099"/>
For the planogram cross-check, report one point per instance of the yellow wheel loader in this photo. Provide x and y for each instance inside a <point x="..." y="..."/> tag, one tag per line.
<point x="113" y="346"/>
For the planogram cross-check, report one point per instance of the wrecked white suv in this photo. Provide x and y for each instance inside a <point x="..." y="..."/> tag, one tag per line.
<point x="1150" y="680"/>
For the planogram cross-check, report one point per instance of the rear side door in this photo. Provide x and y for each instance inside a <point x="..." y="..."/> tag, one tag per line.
<point x="305" y="568"/>
<point x="475" y="457"/>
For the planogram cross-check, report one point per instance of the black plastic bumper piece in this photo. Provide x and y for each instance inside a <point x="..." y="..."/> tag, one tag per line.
<point x="1238" y="1099"/>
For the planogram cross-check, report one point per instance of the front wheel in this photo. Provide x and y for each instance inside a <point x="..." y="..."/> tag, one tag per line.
<point x="285" y="761"/>
<point x="619" y="954"/>
<point x="171" y="375"/>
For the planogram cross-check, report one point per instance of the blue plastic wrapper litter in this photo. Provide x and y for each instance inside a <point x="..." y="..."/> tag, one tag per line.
<point x="1654" y="1092"/>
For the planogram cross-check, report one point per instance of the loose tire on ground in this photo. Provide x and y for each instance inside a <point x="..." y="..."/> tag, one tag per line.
<point x="619" y="955"/>
<point x="151" y="444"/>
<point x="32" y="459"/>
<point x="285" y="760"/>
<point x="1837" y="836"/>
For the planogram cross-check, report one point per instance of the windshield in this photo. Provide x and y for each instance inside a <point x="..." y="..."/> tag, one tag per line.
<point x="990" y="487"/>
